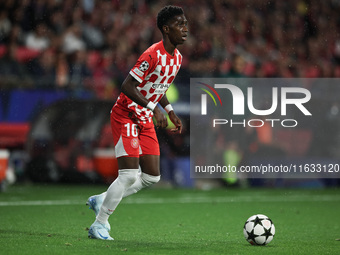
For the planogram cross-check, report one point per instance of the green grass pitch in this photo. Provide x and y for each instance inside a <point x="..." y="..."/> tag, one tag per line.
<point x="49" y="219"/>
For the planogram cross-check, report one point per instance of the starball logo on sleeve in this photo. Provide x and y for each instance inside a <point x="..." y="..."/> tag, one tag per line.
<point x="281" y="99"/>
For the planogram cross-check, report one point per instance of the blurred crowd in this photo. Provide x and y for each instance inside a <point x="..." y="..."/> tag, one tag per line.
<point x="92" y="44"/>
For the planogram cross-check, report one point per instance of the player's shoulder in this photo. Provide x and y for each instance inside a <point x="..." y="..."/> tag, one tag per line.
<point x="152" y="50"/>
<point x="150" y="54"/>
<point x="177" y="52"/>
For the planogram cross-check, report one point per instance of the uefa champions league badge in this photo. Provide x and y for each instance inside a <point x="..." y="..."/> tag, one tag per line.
<point x="144" y="66"/>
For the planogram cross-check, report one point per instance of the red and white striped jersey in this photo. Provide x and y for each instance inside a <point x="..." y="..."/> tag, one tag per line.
<point x="155" y="70"/>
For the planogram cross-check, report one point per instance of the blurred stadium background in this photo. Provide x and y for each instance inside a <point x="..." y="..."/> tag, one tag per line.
<point x="62" y="64"/>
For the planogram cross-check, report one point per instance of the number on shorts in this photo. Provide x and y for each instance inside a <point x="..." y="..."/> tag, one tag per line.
<point x="131" y="131"/>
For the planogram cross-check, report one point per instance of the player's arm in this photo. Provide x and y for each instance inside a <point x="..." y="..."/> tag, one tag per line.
<point x="164" y="102"/>
<point x="129" y="88"/>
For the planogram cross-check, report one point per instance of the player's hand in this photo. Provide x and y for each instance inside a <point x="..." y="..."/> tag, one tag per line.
<point x="177" y="122"/>
<point x="161" y="120"/>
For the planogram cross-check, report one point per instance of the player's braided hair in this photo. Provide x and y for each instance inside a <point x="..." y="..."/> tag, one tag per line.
<point x="167" y="13"/>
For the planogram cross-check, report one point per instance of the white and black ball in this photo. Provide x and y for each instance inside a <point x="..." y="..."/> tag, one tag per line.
<point x="259" y="230"/>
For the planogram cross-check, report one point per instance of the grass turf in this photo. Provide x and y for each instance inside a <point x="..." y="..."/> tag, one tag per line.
<point x="50" y="219"/>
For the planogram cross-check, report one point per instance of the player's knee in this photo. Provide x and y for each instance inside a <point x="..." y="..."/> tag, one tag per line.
<point x="128" y="176"/>
<point x="148" y="179"/>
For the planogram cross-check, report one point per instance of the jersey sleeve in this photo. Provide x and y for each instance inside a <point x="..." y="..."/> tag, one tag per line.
<point x="146" y="64"/>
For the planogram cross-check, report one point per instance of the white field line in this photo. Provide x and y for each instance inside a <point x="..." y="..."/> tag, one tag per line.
<point x="186" y="200"/>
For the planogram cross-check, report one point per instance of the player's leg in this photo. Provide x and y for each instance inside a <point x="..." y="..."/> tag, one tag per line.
<point x="148" y="160"/>
<point x="150" y="164"/>
<point x="127" y="152"/>
<point x="95" y="202"/>
<point x="149" y="175"/>
<point x="127" y="175"/>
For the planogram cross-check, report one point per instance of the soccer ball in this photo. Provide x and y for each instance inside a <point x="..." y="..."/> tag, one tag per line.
<point x="259" y="230"/>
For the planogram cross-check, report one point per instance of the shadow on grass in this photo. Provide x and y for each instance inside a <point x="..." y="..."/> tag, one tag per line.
<point x="9" y="233"/>
<point x="182" y="247"/>
<point x="159" y="247"/>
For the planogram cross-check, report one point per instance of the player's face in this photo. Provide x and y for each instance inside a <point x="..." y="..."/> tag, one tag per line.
<point x="178" y="29"/>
